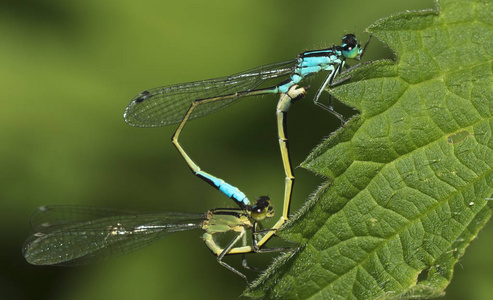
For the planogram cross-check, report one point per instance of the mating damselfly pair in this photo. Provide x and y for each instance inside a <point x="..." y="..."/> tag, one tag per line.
<point x="70" y="235"/>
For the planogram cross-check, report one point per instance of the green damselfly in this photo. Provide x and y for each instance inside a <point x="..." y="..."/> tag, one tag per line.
<point x="76" y="235"/>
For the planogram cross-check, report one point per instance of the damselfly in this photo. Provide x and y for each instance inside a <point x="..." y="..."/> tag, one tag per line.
<point x="181" y="102"/>
<point x="75" y="235"/>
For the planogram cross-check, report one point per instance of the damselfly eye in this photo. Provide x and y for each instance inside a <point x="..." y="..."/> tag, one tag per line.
<point x="348" y="47"/>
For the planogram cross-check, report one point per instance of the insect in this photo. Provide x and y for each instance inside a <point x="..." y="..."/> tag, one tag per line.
<point x="75" y="235"/>
<point x="181" y="102"/>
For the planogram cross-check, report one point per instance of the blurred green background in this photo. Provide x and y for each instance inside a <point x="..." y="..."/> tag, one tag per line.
<point x="67" y="72"/>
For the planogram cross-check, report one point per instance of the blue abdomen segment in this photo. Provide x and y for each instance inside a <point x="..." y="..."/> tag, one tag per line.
<point x="226" y="188"/>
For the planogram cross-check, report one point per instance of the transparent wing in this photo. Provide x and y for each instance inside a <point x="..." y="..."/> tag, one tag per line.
<point x="73" y="235"/>
<point x="168" y="104"/>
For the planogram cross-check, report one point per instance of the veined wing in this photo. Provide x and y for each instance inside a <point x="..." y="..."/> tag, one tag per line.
<point x="73" y="235"/>
<point x="168" y="104"/>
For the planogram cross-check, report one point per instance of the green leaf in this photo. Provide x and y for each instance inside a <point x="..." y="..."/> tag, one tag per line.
<point x="410" y="176"/>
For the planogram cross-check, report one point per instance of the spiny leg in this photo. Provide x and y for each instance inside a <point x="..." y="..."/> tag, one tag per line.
<point x="244" y="262"/>
<point x="257" y="249"/>
<point x="264" y="249"/>
<point x="226" y="250"/>
<point x="328" y="82"/>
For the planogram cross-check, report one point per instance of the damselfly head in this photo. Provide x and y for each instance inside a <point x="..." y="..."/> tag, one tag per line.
<point x="350" y="47"/>
<point x="262" y="209"/>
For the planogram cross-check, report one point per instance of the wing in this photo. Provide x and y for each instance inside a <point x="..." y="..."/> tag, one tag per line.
<point x="168" y="104"/>
<point x="73" y="235"/>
